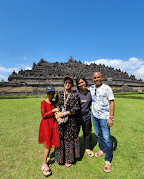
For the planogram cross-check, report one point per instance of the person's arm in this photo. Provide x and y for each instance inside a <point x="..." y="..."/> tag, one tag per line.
<point x="56" y="102"/>
<point x="73" y="110"/>
<point x="75" y="104"/>
<point x="56" y="110"/>
<point x="112" y="107"/>
<point x="46" y="114"/>
<point x="62" y="114"/>
<point x="57" y="107"/>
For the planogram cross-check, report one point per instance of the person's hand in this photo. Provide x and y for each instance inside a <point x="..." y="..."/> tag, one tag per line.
<point x="55" y="114"/>
<point x="59" y="120"/>
<point x="59" y="114"/>
<point x="110" y="122"/>
<point x="56" y="109"/>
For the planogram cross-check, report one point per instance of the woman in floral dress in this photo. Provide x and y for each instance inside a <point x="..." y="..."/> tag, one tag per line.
<point x="69" y="148"/>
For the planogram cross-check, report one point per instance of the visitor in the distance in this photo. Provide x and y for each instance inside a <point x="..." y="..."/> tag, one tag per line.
<point x="85" y="114"/>
<point x="69" y="149"/>
<point x="103" y="116"/>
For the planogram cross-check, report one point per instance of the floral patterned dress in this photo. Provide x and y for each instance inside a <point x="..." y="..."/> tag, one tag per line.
<point x="69" y="142"/>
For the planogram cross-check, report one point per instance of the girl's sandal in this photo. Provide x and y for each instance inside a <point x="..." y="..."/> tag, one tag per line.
<point x="46" y="173"/>
<point x="107" y="167"/>
<point x="99" y="154"/>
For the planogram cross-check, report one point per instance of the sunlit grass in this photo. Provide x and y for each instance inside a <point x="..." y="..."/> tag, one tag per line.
<point x="21" y="155"/>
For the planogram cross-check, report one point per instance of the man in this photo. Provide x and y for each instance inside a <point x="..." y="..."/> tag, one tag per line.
<point x="103" y="116"/>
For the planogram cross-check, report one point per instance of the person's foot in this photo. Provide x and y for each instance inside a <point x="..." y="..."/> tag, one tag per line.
<point x="46" y="170"/>
<point x="67" y="164"/>
<point x="99" y="154"/>
<point x="89" y="152"/>
<point x="45" y="167"/>
<point x="107" y="167"/>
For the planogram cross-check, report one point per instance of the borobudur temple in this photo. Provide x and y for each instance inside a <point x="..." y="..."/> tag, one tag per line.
<point x="44" y="73"/>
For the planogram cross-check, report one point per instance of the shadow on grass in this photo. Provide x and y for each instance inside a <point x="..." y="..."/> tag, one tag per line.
<point x="82" y="147"/>
<point x="94" y="143"/>
<point x="114" y="143"/>
<point x="52" y="156"/>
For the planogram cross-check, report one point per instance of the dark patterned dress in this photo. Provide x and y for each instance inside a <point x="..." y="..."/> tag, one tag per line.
<point x="69" y="142"/>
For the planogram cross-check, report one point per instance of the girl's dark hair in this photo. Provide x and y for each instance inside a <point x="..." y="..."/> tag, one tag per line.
<point x="81" y="78"/>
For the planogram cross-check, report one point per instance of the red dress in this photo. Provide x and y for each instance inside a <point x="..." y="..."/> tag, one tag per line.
<point x="48" y="130"/>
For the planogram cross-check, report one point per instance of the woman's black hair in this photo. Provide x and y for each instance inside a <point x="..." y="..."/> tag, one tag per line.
<point x="81" y="78"/>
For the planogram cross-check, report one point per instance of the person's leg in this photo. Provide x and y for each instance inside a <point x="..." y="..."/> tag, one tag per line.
<point x="78" y="127"/>
<point x="60" y="151"/>
<point x="46" y="154"/>
<point x="98" y="132"/>
<point x="87" y="132"/>
<point x="69" y="152"/>
<point x="107" y="140"/>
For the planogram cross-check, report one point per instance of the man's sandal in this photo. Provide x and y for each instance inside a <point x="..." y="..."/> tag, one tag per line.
<point x="99" y="154"/>
<point x="107" y="167"/>
<point x="89" y="152"/>
<point x="46" y="173"/>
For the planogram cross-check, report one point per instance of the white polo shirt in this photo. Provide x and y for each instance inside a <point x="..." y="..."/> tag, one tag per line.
<point x="100" y="101"/>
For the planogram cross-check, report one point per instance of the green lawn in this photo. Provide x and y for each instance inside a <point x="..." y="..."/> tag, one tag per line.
<point x="21" y="155"/>
<point x="130" y="95"/>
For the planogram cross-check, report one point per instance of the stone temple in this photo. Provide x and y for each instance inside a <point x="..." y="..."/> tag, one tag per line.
<point x="34" y="81"/>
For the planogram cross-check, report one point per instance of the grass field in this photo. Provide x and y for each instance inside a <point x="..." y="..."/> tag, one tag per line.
<point x="21" y="155"/>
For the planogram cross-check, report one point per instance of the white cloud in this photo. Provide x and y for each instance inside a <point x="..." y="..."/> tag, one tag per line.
<point x="132" y="66"/>
<point x="140" y="73"/>
<point x="7" y="70"/>
<point x="28" y="68"/>
<point x="2" y="77"/>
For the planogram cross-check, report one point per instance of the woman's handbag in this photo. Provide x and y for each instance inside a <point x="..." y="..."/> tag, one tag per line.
<point x="65" y="118"/>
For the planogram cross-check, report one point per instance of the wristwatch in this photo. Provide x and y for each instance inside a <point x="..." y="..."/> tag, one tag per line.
<point x="111" y="118"/>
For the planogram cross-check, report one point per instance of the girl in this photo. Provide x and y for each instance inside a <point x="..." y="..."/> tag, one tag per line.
<point x="48" y="130"/>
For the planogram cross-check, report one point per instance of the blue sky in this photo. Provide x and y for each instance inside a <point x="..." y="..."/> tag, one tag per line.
<point x="101" y="31"/>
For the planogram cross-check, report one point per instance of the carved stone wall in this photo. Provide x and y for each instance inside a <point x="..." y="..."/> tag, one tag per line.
<point x="45" y="73"/>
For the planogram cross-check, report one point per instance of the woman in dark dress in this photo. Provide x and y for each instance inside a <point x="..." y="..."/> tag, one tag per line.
<point x="69" y="148"/>
<point x="85" y="114"/>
